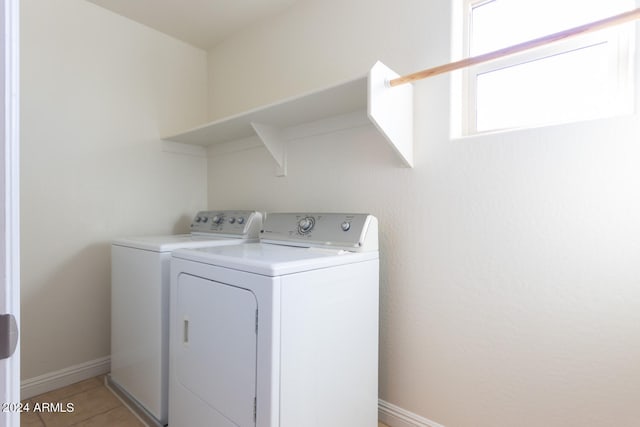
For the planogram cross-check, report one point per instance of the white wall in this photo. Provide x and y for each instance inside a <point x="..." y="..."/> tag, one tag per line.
<point x="510" y="277"/>
<point x="97" y="91"/>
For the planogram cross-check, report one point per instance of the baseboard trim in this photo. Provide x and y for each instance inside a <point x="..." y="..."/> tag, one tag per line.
<point x="64" y="377"/>
<point x="395" y="416"/>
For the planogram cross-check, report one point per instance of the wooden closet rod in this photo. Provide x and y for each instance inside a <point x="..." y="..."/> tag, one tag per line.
<point x="583" y="29"/>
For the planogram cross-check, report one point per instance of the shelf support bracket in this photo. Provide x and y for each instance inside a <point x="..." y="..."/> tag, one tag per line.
<point x="390" y="109"/>
<point x="273" y="140"/>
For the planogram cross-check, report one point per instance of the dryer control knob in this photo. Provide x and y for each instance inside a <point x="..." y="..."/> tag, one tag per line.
<point x="306" y="224"/>
<point x="232" y="220"/>
<point x="217" y="219"/>
<point x="240" y="220"/>
<point x="345" y="226"/>
<point x="198" y="219"/>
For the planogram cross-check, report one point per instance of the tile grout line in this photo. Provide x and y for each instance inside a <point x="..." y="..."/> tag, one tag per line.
<point x="94" y="415"/>
<point x="69" y="397"/>
<point x="99" y="384"/>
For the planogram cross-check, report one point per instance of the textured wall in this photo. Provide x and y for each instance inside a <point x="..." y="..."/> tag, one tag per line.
<point x="97" y="91"/>
<point x="510" y="277"/>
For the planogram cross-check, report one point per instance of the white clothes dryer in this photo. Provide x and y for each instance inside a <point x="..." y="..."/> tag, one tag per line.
<point x="279" y="333"/>
<point x="140" y="303"/>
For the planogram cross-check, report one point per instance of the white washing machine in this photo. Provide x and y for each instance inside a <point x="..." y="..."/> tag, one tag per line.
<point x="279" y="333"/>
<point x="140" y="303"/>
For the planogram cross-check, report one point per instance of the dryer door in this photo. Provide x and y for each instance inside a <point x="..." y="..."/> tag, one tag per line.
<point x="216" y="360"/>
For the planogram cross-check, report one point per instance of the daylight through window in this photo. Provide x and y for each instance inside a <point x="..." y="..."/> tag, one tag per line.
<point x="583" y="78"/>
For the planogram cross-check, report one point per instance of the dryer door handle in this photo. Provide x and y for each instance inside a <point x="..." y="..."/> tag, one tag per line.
<point x="185" y="332"/>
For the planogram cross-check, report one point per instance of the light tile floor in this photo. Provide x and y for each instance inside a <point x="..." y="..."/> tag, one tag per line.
<point x="94" y="405"/>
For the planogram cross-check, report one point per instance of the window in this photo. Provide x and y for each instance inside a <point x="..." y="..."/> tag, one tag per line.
<point x="582" y="78"/>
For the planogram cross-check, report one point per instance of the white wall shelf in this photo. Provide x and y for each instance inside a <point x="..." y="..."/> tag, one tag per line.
<point x="390" y="109"/>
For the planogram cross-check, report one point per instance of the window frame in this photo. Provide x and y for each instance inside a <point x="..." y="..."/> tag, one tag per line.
<point x="621" y="53"/>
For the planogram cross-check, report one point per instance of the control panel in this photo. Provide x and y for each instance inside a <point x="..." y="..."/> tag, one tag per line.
<point x="354" y="232"/>
<point x="227" y="222"/>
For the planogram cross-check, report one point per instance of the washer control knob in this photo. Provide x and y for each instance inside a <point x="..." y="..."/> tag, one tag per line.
<point x="240" y="220"/>
<point x="305" y="225"/>
<point x="217" y="219"/>
<point x="345" y="226"/>
<point x="205" y="219"/>
<point x="232" y="220"/>
<point x="198" y="219"/>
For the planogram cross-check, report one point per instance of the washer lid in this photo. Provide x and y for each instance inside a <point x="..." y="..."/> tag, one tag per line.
<point x="272" y="260"/>
<point x="177" y="241"/>
<point x="208" y="228"/>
